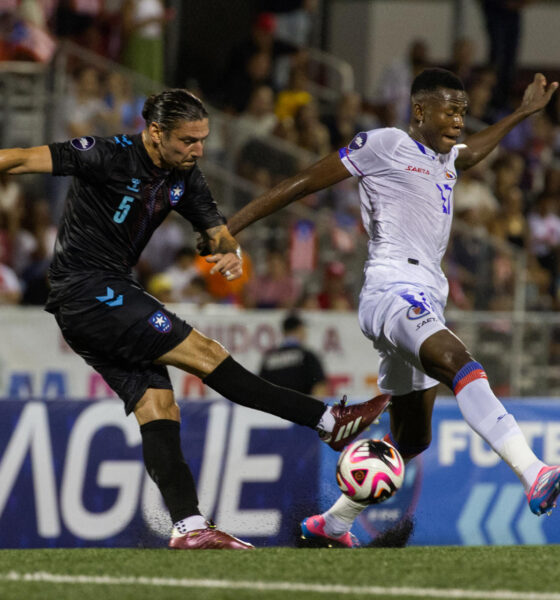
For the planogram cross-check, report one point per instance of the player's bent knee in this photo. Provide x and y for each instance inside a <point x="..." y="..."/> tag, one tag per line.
<point x="155" y="405"/>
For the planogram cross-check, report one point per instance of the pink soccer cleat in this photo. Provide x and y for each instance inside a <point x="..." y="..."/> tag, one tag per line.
<point x="351" y="420"/>
<point x="207" y="539"/>
<point x="544" y="491"/>
<point x="313" y="528"/>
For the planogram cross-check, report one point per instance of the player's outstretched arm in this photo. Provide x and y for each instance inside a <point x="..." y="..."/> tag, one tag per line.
<point x="318" y="176"/>
<point x="26" y="160"/>
<point x="477" y="146"/>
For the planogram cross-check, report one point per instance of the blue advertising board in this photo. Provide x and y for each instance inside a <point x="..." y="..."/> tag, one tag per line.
<point x="71" y="474"/>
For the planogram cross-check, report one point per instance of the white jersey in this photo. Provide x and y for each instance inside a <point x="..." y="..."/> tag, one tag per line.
<point x="406" y="198"/>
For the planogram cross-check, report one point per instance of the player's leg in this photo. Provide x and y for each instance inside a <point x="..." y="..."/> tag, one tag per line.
<point x="411" y="427"/>
<point x="158" y="415"/>
<point x="210" y="361"/>
<point x="445" y="358"/>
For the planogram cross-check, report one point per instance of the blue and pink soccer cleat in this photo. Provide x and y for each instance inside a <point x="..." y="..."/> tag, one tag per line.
<point x="544" y="491"/>
<point x="313" y="529"/>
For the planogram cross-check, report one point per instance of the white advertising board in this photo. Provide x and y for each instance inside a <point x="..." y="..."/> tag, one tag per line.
<point x="36" y="362"/>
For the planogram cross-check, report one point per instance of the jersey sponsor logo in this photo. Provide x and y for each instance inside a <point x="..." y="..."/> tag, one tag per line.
<point x="413" y="169"/>
<point x="160" y="322"/>
<point x="450" y="175"/>
<point x="358" y="142"/>
<point x="83" y="143"/>
<point x="176" y="192"/>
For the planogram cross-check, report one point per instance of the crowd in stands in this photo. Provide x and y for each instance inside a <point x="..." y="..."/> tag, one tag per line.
<point x="507" y="208"/>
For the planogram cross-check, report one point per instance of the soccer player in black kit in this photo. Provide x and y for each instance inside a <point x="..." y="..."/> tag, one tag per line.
<point x="123" y="187"/>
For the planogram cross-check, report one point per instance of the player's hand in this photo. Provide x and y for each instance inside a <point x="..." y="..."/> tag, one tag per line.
<point x="229" y="265"/>
<point x="203" y="244"/>
<point x="537" y="95"/>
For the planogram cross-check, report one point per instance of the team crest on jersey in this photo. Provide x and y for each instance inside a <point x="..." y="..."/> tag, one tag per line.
<point x="160" y="322"/>
<point x="450" y="175"/>
<point x="419" y="305"/>
<point x="358" y="142"/>
<point x="176" y="192"/>
<point x="83" y="143"/>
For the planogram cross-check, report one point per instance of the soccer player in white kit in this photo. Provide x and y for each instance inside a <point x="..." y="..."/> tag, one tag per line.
<point x="406" y="196"/>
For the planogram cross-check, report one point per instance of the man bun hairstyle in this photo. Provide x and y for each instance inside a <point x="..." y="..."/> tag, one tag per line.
<point x="171" y="106"/>
<point x="431" y="80"/>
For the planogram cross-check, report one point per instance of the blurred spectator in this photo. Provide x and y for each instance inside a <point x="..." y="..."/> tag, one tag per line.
<point x="292" y="364"/>
<point x="335" y="294"/>
<point x="294" y="24"/>
<point x="78" y="22"/>
<point x="84" y="109"/>
<point x="143" y="30"/>
<point x="510" y="224"/>
<point x="312" y="135"/>
<point x="290" y="99"/>
<point x="479" y="114"/>
<point x="161" y="287"/>
<point x="544" y="232"/>
<point x="503" y="26"/>
<point x="35" y="259"/>
<point x="218" y="287"/>
<point x="463" y="59"/>
<point x="393" y="88"/>
<point x="253" y="62"/>
<point x="10" y="288"/>
<point x="257" y="72"/>
<point x="257" y="121"/>
<point x="161" y="250"/>
<point x="123" y="113"/>
<point x="508" y="171"/>
<point x="276" y="287"/>
<point x="266" y="164"/>
<point x="472" y="194"/>
<point x="196" y="292"/>
<point x="347" y="120"/>
<point x="181" y="273"/>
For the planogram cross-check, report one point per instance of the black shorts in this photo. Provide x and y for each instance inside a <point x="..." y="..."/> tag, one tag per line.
<point x="119" y="329"/>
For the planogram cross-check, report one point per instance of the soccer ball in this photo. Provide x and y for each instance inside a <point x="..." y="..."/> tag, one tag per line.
<point x="369" y="471"/>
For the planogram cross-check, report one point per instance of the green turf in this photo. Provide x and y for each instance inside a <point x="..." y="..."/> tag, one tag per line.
<point x="521" y="569"/>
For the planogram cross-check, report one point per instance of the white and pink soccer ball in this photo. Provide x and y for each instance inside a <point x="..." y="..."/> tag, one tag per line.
<point x="369" y="471"/>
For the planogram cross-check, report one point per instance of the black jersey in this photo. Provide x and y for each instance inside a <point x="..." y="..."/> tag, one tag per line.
<point x="292" y="366"/>
<point x="117" y="199"/>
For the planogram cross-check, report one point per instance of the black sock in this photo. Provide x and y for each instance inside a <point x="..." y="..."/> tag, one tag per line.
<point x="161" y="447"/>
<point x="235" y="383"/>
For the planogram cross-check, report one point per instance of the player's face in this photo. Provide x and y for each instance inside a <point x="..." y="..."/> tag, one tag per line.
<point x="183" y="145"/>
<point x="441" y="119"/>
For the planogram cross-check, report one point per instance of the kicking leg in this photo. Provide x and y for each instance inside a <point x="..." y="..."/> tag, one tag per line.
<point x="209" y="360"/>
<point x="158" y="415"/>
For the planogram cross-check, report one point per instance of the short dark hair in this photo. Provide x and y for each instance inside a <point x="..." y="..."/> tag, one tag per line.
<point x="430" y="80"/>
<point x="292" y="322"/>
<point x="171" y="106"/>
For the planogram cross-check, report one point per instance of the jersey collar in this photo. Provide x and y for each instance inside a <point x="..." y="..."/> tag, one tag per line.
<point x="425" y="150"/>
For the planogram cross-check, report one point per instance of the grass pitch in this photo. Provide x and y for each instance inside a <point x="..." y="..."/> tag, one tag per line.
<point x="484" y="573"/>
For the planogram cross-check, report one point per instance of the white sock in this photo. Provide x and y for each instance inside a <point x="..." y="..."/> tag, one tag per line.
<point x="486" y="415"/>
<point x="190" y="524"/>
<point x="327" y="421"/>
<point x="341" y="515"/>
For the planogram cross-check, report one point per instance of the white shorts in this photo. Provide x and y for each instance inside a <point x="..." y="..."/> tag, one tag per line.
<point x="398" y="319"/>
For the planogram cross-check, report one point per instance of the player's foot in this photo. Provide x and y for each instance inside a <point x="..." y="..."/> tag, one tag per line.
<point x="207" y="539"/>
<point x="351" y="420"/>
<point x="544" y="491"/>
<point x="313" y="528"/>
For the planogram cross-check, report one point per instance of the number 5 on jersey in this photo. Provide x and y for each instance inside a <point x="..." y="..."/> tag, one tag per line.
<point x="124" y="207"/>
